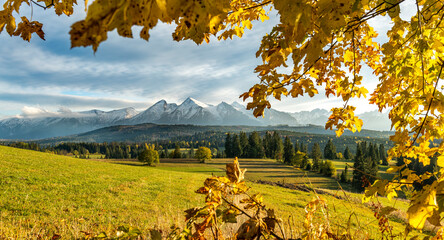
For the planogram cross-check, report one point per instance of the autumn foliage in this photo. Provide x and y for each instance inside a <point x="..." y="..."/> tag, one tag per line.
<point x="228" y="203"/>
<point x="317" y="46"/>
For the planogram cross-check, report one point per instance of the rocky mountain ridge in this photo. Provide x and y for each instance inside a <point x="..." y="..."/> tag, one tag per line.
<point x="190" y="111"/>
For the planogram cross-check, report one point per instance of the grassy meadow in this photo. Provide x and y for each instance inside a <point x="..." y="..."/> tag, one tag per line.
<point x="44" y="195"/>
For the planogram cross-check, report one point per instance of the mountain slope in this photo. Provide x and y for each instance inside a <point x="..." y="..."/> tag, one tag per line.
<point x="153" y="113"/>
<point x="190" y="111"/>
<point x="65" y="124"/>
<point x="150" y="132"/>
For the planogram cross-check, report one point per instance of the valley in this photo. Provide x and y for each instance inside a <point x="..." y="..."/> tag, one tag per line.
<point x="46" y="195"/>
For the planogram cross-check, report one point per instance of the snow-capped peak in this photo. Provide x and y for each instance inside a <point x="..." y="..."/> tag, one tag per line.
<point x="129" y="112"/>
<point x="191" y="100"/>
<point x="160" y="103"/>
<point x="92" y="111"/>
<point x="161" y="107"/>
<point x="238" y="106"/>
<point x="224" y="104"/>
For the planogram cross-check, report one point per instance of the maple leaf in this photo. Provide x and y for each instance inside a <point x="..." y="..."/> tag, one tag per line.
<point x="234" y="173"/>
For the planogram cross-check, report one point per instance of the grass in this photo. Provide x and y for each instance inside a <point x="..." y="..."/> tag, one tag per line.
<point x="43" y="194"/>
<point x="259" y="169"/>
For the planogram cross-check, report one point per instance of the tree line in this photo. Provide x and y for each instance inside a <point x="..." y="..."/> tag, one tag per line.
<point x="368" y="156"/>
<point x="366" y="164"/>
<point x="120" y="150"/>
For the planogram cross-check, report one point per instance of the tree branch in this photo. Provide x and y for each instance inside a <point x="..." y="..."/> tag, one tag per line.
<point x="255" y="6"/>
<point x="420" y="53"/>
<point x="44" y="7"/>
<point x="428" y="108"/>
<point x="348" y="27"/>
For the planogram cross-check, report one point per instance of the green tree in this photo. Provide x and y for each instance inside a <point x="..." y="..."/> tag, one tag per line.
<point x="321" y="166"/>
<point x="316" y="156"/>
<point x="360" y="168"/>
<point x="330" y="150"/>
<point x="347" y="154"/>
<point x="268" y="145"/>
<point x="243" y="139"/>
<point x="176" y="153"/>
<point x="305" y="160"/>
<point x="203" y="154"/>
<point x="228" y="146"/>
<point x="296" y="147"/>
<point x="278" y="147"/>
<point x="344" y="175"/>
<point x="149" y="155"/>
<point x="236" y="149"/>
<point x="255" y="148"/>
<point x="298" y="159"/>
<point x="303" y="148"/>
<point x="191" y="152"/>
<point x="329" y="168"/>
<point x="288" y="151"/>
<point x="383" y="155"/>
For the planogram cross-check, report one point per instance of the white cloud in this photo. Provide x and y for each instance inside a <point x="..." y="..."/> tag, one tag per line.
<point x="39" y="112"/>
<point x="132" y="72"/>
<point x="35" y="111"/>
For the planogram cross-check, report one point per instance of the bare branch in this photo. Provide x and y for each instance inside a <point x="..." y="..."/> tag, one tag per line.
<point x="44" y="7"/>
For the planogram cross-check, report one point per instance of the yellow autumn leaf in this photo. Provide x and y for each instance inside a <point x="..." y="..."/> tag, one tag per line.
<point x="440" y="161"/>
<point x="348" y="56"/>
<point x="422" y="208"/>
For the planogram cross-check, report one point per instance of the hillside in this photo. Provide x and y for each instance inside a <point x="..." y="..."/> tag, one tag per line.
<point x="150" y="132"/>
<point x="44" y="195"/>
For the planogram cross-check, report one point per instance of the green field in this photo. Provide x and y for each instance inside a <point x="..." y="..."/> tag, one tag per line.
<point x="42" y="195"/>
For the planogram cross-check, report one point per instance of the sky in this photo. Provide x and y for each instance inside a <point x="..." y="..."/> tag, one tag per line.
<point x="48" y="75"/>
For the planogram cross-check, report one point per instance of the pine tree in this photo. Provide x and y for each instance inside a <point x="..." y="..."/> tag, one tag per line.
<point x="278" y="145"/>
<point x="228" y="146"/>
<point x="255" y="148"/>
<point x="363" y="146"/>
<point x="330" y="150"/>
<point x="288" y="151"/>
<point x="383" y="155"/>
<point x="373" y="169"/>
<point x="372" y="152"/>
<point x="296" y="147"/>
<point x="243" y="143"/>
<point x="236" y="147"/>
<point x="316" y="156"/>
<point x="359" y="167"/>
<point x="344" y="174"/>
<point x="268" y="145"/>
<point x="347" y="153"/>
<point x="304" y="148"/>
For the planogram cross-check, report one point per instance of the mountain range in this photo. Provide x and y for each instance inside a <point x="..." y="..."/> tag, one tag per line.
<point x="190" y="111"/>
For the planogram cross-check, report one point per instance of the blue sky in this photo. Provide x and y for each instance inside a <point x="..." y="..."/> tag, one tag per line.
<point x="132" y="72"/>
